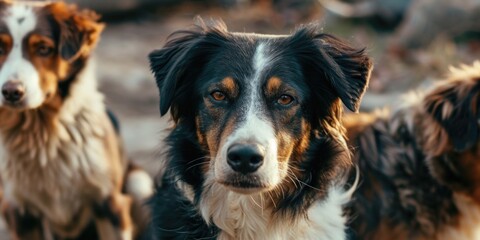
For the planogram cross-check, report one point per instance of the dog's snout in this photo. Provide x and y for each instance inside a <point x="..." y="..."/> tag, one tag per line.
<point x="13" y="91"/>
<point x="245" y="158"/>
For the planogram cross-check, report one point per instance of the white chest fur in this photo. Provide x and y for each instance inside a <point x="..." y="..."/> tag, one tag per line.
<point x="246" y="217"/>
<point x="52" y="171"/>
<point x="468" y="227"/>
<point x="52" y="176"/>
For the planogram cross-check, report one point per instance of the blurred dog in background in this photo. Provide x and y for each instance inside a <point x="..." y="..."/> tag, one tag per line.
<point x="62" y="167"/>
<point x="420" y="165"/>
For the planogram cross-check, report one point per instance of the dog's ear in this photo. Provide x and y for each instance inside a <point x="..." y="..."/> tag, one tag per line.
<point x="454" y="105"/>
<point x="180" y="61"/>
<point x="346" y="69"/>
<point x="79" y="30"/>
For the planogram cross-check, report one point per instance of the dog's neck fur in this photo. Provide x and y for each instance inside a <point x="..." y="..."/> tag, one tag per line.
<point x="39" y="147"/>
<point x="468" y="226"/>
<point x="316" y="214"/>
<point x="253" y="216"/>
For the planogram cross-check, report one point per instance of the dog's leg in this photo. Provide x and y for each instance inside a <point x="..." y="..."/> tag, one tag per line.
<point x="121" y="205"/>
<point x="115" y="213"/>
<point x="105" y="229"/>
<point x="22" y="225"/>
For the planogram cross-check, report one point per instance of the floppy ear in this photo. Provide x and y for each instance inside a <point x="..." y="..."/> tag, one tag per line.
<point x="183" y="56"/>
<point x="79" y="29"/>
<point x="346" y="69"/>
<point x="454" y="106"/>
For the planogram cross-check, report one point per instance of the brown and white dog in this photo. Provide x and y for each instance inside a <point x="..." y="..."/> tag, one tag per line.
<point x="258" y="149"/>
<point x="420" y="166"/>
<point x="61" y="164"/>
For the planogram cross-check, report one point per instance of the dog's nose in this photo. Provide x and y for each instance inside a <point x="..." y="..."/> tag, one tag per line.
<point x="245" y="158"/>
<point x="13" y="91"/>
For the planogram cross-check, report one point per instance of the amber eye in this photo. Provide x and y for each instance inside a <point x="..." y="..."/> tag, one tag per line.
<point x="285" y="100"/>
<point x="2" y="51"/>
<point x="44" y="51"/>
<point x="218" y="96"/>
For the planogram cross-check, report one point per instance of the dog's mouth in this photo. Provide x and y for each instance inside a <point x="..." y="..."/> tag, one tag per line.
<point x="245" y="184"/>
<point x="18" y="105"/>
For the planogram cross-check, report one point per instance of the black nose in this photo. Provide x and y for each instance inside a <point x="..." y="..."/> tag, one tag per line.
<point x="245" y="158"/>
<point x="13" y="91"/>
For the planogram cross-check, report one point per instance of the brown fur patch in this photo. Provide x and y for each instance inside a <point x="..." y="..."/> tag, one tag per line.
<point x="229" y="84"/>
<point x="357" y="123"/>
<point x="273" y="84"/>
<point x="6" y="43"/>
<point x="49" y="66"/>
<point x="83" y="24"/>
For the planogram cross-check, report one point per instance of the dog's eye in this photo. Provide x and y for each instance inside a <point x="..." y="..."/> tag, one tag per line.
<point x="2" y="51"/>
<point x="44" y="51"/>
<point x="218" y="96"/>
<point x="285" y="100"/>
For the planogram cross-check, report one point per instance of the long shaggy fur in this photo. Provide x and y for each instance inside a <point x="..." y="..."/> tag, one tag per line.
<point x="419" y="165"/>
<point x="61" y="163"/>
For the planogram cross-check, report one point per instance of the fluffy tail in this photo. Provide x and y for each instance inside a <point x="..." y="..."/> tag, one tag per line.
<point x="138" y="183"/>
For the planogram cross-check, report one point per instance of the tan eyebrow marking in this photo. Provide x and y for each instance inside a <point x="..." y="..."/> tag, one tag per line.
<point x="273" y="84"/>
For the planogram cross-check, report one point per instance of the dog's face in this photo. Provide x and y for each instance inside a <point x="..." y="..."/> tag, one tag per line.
<point x="254" y="101"/>
<point x="39" y="48"/>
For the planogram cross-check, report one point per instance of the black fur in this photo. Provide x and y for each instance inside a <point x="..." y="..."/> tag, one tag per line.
<point x="175" y="217"/>
<point x="314" y="178"/>
<point x="462" y="124"/>
<point x="326" y="57"/>
<point x="396" y="187"/>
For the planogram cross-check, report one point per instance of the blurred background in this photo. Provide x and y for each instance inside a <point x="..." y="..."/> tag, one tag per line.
<point x="412" y="43"/>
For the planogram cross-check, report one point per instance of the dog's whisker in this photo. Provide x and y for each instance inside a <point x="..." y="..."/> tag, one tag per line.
<point x="291" y="166"/>
<point x="303" y="183"/>
<point x="261" y="201"/>
<point x="293" y="181"/>
<point x="273" y="202"/>
<point x="251" y="197"/>
<point x="195" y="165"/>
<point x="200" y="158"/>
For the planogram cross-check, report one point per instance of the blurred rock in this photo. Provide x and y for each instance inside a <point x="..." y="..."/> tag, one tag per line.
<point x="115" y="6"/>
<point x="381" y="13"/>
<point x="427" y="20"/>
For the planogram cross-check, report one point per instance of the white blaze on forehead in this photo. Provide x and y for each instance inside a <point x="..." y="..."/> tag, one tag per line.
<point x="260" y="60"/>
<point x="21" y="20"/>
<point x="256" y="128"/>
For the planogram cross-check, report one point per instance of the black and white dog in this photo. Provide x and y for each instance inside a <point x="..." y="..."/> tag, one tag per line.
<point x="258" y="149"/>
